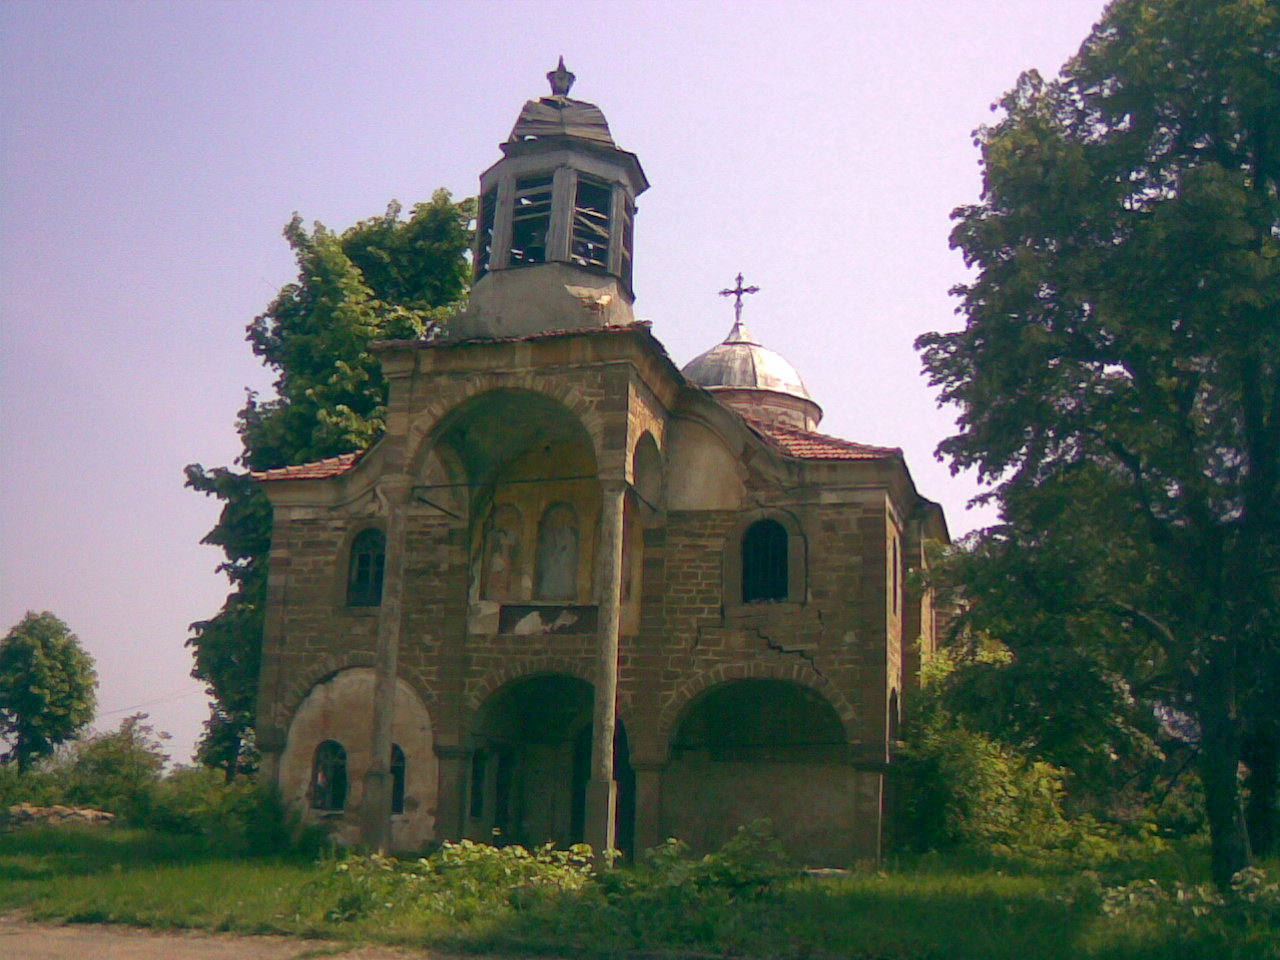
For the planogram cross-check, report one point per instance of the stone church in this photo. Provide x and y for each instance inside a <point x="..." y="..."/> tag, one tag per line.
<point x="575" y="592"/>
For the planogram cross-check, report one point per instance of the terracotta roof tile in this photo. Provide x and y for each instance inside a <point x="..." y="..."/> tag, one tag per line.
<point x="806" y="445"/>
<point x="316" y="470"/>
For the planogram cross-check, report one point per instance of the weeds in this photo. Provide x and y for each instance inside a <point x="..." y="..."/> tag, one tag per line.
<point x="743" y="900"/>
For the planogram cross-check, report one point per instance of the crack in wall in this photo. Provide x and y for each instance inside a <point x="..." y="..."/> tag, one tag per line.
<point x="791" y="651"/>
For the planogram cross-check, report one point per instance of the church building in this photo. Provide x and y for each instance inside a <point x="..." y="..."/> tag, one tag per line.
<point x="575" y="592"/>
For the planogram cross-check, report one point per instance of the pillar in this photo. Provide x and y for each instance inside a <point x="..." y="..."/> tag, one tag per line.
<point x="602" y="789"/>
<point x="375" y="805"/>
<point x="453" y="773"/>
<point x="648" y="804"/>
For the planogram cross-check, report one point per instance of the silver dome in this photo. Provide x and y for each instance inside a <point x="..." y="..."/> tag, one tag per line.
<point x="741" y="363"/>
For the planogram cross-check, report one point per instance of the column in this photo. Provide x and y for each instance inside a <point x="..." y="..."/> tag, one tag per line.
<point x="453" y="774"/>
<point x="648" y="803"/>
<point x="602" y="789"/>
<point x="375" y="806"/>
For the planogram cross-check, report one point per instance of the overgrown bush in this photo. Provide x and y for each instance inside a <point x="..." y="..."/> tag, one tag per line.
<point x="118" y="771"/>
<point x="1247" y="917"/>
<point x="34" y="785"/>
<point x="555" y="896"/>
<point x="959" y="788"/>
<point x="461" y="881"/>
<point x="122" y="772"/>
<point x="237" y="817"/>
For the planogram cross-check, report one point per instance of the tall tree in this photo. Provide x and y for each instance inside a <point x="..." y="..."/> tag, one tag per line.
<point x="384" y="278"/>
<point x="1117" y="375"/>
<point x="46" y="687"/>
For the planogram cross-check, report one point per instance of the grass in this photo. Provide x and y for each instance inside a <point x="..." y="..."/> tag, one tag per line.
<point x="932" y="907"/>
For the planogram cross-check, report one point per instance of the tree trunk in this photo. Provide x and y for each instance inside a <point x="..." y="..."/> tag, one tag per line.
<point x="1261" y="753"/>
<point x="1219" y="763"/>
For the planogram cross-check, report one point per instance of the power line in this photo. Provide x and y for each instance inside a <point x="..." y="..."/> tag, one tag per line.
<point x="151" y="703"/>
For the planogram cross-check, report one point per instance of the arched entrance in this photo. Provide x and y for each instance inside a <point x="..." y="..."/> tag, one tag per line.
<point x="531" y="763"/>
<point x="763" y="748"/>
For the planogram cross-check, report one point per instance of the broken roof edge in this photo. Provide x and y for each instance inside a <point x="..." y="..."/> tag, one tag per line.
<point x="323" y="469"/>
<point x="644" y="327"/>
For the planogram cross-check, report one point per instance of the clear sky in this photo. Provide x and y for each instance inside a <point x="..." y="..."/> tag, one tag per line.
<point x="151" y="152"/>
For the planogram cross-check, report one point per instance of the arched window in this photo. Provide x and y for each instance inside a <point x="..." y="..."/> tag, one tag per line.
<point x="557" y="562"/>
<point x="764" y="562"/>
<point x="329" y="777"/>
<point x="364" y="573"/>
<point x="397" y="779"/>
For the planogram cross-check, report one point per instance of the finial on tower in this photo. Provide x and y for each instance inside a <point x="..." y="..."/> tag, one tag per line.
<point x="561" y="80"/>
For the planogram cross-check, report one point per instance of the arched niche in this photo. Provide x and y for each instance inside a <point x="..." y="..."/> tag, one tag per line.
<point x="557" y="558"/>
<point x="339" y="710"/>
<point x="772" y="749"/>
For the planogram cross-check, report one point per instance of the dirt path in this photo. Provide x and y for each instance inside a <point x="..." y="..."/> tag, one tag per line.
<point x="22" y="940"/>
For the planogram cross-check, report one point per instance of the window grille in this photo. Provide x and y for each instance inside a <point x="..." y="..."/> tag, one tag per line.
<point x="329" y="777"/>
<point x="764" y="562"/>
<point x="364" y="575"/>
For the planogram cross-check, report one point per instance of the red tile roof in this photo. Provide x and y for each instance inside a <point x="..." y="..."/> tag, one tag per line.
<point x="806" y="445"/>
<point x="316" y="470"/>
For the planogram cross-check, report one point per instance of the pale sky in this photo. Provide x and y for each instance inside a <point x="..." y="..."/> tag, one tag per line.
<point x="151" y="152"/>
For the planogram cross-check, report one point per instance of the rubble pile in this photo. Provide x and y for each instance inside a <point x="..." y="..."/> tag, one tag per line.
<point x="28" y="814"/>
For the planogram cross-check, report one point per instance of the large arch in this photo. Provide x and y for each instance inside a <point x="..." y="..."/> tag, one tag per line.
<point x="796" y="669"/>
<point x="531" y="757"/>
<point x="521" y="458"/>
<point x="460" y="401"/>
<point x="336" y="709"/>
<point x="765" y="748"/>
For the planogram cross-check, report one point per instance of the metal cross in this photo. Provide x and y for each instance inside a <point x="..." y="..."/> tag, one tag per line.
<point x="736" y="293"/>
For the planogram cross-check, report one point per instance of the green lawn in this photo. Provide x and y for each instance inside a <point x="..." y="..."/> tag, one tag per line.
<point x="930" y="908"/>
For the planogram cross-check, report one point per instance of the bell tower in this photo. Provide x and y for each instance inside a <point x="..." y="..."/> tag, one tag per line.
<point x="554" y="231"/>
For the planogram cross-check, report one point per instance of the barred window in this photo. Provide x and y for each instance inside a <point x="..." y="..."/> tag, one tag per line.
<point x="329" y="777"/>
<point x="764" y="562"/>
<point x="364" y="575"/>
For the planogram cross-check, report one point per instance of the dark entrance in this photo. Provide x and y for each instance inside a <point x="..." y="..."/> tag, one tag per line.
<point x="532" y="762"/>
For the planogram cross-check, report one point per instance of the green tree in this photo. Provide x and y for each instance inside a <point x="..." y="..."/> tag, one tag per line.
<point x="1117" y="375"/>
<point x="46" y="687"/>
<point x="384" y="278"/>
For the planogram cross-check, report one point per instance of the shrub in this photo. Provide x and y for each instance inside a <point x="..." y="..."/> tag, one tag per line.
<point x="118" y="771"/>
<point x="962" y="789"/>
<point x="1246" y="918"/>
<point x="240" y="816"/>
<point x="462" y="880"/>
<point x="34" y="785"/>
